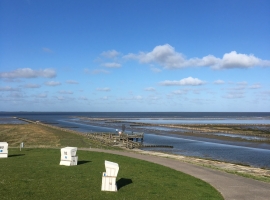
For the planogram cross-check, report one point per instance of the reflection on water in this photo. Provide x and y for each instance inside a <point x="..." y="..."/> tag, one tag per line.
<point x="241" y="136"/>
<point x="201" y="121"/>
<point x="217" y="151"/>
<point x="85" y="128"/>
<point x="10" y="120"/>
<point x="158" y="128"/>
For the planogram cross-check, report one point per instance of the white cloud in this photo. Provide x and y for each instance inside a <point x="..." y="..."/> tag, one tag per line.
<point x="42" y="95"/>
<point x="138" y="97"/>
<point x="72" y="82"/>
<point x="8" y="89"/>
<point x="101" y="71"/>
<point x="64" y="99"/>
<point x="52" y="83"/>
<point x="198" y="91"/>
<point x="238" y="87"/>
<point x="60" y="98"/>
<point x="155" y="98"/>
<point x="16" y="95"/>
<point x="96" y="71"/>
<point x="255" y="86"/>
<point x="234" y="96"/>
<point x="110" y="54"/>
<point x="201" y="101"/>
<point x="104" y="98"/>
<point x="83" y="98"/>
<point x="47" y="50"/>
<point x="112" y="65"/>
<point x="180" y="92"/>
<point x="219" y="82"/>
<point x="150" y="89"/>
<point x="65" y="92"/>
<point x="243" y="83"/>
<point x="30" y="85"/>
<point x="104" y="89"/>
<point x="166" y="56"/>
<point x="156" y="70"/>
<point x="235" y="93"/>
<point x="237" y="60"/>
<point x="266" y="92"/>
<point x="28" y="73"/>
<point x="186" y="81"/>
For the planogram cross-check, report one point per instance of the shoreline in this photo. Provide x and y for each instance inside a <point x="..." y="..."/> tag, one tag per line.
<point x="195" y="130"/>
<point x="247" y="171"/>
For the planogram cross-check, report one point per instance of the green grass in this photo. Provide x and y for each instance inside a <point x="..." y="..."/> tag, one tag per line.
<point x="36" y="174"/>
<point x="34" y="135"/>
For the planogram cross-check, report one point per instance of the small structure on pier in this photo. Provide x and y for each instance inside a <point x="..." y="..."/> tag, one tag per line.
<point x="120" y="140"/>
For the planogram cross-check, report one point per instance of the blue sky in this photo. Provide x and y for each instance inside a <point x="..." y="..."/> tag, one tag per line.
<point x="135" y="55"/>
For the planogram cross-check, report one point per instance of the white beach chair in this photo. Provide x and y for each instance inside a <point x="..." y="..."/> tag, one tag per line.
<point x="68" y="156"/>
<point x="109" y="177"/>
<point x="3" y="149"/>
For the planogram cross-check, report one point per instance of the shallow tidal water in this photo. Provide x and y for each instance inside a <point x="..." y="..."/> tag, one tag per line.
<point x="235" y="152"/>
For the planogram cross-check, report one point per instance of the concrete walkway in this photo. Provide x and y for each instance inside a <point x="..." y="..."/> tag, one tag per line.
<point x="229" y="185"/>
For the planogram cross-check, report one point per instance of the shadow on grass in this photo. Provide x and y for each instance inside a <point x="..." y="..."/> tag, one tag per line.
<point x="122" y="182"/>
<point x="81" y="162"/>
<point x="15" y="155"/>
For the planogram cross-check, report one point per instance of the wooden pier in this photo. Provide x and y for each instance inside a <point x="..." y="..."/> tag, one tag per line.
<point x="157" y="145"/>
<point x="124" y="140"/>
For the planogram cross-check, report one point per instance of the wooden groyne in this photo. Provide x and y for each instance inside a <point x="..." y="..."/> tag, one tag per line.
<point x="157" y="146"/>
<point x="124" y="140"/>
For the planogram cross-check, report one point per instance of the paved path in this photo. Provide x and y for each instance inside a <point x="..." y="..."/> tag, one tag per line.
<point x="229" y="185"/>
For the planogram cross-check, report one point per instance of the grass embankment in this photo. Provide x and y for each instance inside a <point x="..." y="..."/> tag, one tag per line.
<point x="36" y="174"/>
<point x="34" y="135"/>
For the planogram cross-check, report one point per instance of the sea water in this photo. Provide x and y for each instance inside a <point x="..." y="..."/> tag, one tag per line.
<point x="236" y="152"/>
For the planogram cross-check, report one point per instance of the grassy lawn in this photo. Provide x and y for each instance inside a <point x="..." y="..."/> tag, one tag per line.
<point x="34" y="135"/>
<point x="36" y="174"/>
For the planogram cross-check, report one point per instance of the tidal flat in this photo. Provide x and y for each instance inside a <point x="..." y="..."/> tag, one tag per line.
<point x="245" y="144"/>
<point x="257" y="133"/>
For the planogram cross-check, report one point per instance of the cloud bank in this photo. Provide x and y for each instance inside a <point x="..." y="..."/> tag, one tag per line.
<point x="166" y="56"/>
<point x="28" y="73"/>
